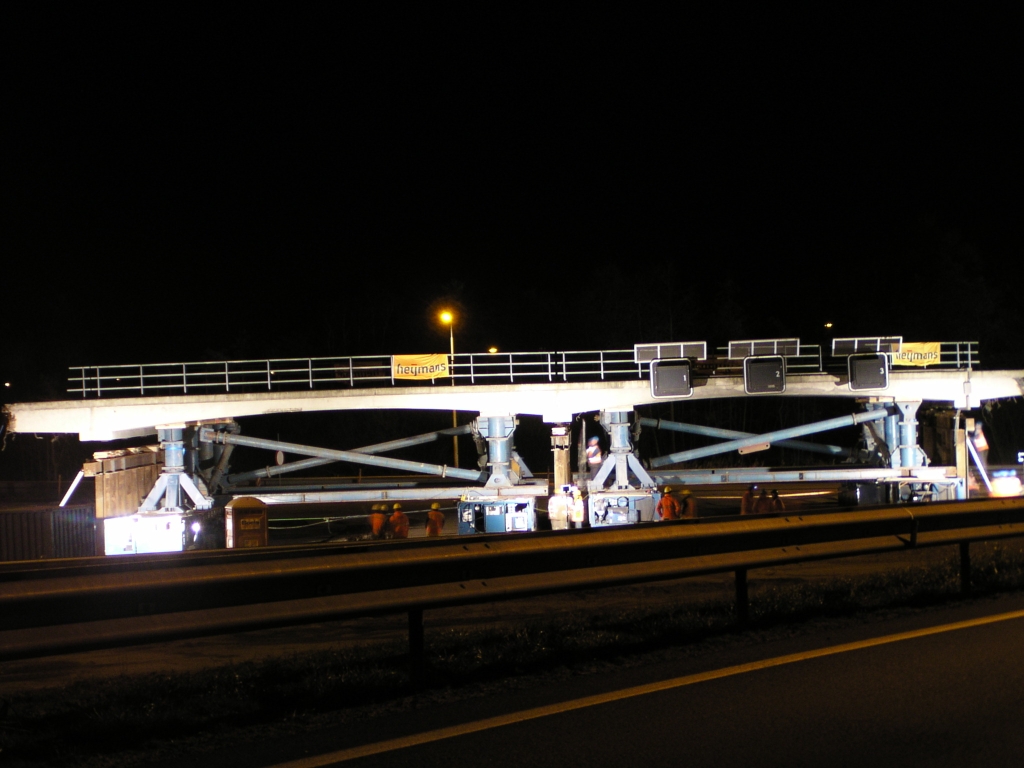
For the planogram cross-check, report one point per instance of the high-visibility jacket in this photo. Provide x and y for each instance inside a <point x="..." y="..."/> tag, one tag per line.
<point x="377" y="522"/>
<point x="747" y="503"/>
<point x="689" y="506"/>
<point x="980" y="443"/>
<point x="763" y="505"/>
<point x="399" y="525"/>
<point x="576" y="510"/>
<point x="559" y="506"/>
<point x="435" y="522"/>
<point x="669" y="508"/>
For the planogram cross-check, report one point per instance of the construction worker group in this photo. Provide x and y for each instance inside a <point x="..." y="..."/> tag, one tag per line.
<point x="396" y="525"/>
<point x="672" y="508"/>
<point x="761" y="504"/>
<point x="566" y="511"/>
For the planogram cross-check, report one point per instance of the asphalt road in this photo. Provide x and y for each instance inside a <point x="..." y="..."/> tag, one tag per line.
<point x="853" y="694"/>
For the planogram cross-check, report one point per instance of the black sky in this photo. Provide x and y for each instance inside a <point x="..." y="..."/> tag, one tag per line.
<point x="184" y="184"/>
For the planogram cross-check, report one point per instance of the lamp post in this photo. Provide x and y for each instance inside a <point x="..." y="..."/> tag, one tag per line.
<point x="449" y="319"/>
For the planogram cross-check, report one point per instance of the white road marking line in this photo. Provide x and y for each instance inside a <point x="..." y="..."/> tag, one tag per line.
<point x="627" y="693"/>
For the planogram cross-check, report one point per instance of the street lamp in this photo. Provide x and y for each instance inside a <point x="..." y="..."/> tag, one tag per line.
<point x="449" y="319"/>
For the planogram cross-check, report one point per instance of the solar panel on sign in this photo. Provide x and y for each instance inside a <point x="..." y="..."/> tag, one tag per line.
<point x="761" y="347"/>
<point x="645" y="353"/>
<point x="853" y="346"/>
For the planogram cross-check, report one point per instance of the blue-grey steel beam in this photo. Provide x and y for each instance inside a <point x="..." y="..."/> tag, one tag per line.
<point x="225" y="459"/>
<point x="209" y="435"/>
<point x="769" y="437"/>
<point x="731" y="434"/>
<point x="747" y="475"/>
<point x="391" y="445"/>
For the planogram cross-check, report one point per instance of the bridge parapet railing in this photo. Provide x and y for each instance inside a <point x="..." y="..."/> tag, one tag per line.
<point x="958" y="354"/>
<point x="535" y="367"/>
<point x="307" y="373"/>
<point x="951" y="355"/>
<point x="290" y="374"/>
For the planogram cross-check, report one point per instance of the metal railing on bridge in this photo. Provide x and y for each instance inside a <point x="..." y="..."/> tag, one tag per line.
<point x="324" y="373"/>
<point x="346" y="372"/>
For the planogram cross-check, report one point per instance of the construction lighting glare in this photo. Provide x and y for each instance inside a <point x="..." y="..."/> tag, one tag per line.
<point x="1005" y="483"/>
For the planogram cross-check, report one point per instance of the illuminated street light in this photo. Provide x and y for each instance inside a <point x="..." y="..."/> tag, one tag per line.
<point x="449" y="319"/>
<point x="492" y="350"/>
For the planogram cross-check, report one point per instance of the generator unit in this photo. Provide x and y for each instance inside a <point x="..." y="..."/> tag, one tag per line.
<point x="623" y="506"/>
<point x="497" y="514"/>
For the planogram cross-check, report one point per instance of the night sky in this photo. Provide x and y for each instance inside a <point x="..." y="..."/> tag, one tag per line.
<point x="182" y="184"/>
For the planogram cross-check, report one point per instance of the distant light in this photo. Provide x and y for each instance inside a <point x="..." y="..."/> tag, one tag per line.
<point x="7" y="384"/>
<point x="1005" y="483"/>
<point x="447" y="317"/>
<point x="828" y="325"/>
<point x="492" y="350"/>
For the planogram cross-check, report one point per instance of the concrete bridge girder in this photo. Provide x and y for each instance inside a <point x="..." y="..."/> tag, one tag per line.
<point x="555" y="402"/>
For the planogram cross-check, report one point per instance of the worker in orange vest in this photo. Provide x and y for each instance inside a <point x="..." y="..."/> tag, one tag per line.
<point x="668" y="506"/>
<point x="689" y="504"/>
<point x="778" y="505"/>
<point x="435" y="520"/>
<point x="747" y="502"/>
<point x="378" y="520"/>
<point x="399" y="523"/>
<point x="763" y="505"/>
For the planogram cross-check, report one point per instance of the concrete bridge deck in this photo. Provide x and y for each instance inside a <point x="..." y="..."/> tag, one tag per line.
<point x="555" y="402"/>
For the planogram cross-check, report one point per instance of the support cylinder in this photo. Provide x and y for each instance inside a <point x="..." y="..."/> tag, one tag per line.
<point x="560" y="444"/>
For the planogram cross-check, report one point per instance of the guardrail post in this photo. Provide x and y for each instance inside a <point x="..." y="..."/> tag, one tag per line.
<point x="742" y="603"/>
<point x="965" y="567"/>
<point x="416" y="645"/>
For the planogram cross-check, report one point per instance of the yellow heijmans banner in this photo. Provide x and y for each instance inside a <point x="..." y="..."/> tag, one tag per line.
<point x="419" y="366"/>
<point x="919" y="354"/>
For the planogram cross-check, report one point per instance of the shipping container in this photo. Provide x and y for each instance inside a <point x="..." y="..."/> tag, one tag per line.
<point x="34" y="534"/>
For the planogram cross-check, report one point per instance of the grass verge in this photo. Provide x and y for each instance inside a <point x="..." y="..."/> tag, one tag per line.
<point x="120" y="720"/>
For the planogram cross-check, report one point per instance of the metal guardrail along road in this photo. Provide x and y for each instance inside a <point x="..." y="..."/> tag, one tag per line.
<point x="78" y="605"/>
